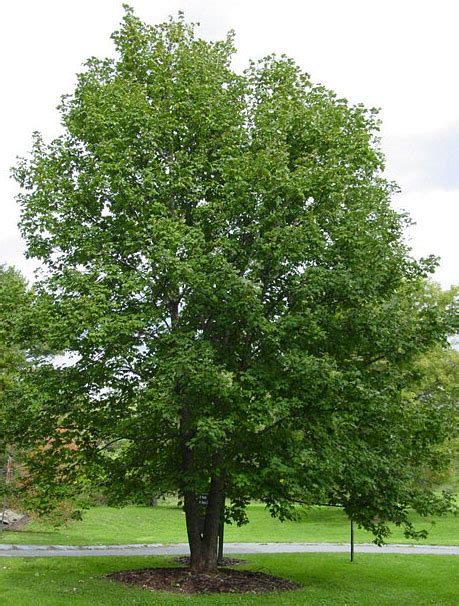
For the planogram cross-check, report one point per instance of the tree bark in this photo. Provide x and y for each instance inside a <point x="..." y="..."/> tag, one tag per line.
<point x="202" y="537"/>
<point x="203" y="542"/>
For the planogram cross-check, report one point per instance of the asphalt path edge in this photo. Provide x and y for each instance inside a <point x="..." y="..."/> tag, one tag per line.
<point x="10" y="550"/>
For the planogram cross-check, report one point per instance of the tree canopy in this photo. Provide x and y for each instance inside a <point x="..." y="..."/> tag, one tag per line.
<point x="225" y="273"/>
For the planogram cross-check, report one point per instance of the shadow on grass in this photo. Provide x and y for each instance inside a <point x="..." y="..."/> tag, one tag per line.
<point x="18" y="533"/>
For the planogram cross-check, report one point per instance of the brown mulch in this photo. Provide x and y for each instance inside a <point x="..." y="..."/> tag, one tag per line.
<point x="185" y="561"/>
<point x="224" y="580"/>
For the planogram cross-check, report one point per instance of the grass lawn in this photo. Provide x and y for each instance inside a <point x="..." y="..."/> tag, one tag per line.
<point x="327" y="579"/>
<point x="166" y="524"/>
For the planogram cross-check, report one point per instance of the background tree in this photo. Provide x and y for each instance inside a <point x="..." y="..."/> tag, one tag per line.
<point x="229" y="281"/>
<point x="19" y="343"/>
<point x="13" y="302"/>
<point x="436" y="386"/>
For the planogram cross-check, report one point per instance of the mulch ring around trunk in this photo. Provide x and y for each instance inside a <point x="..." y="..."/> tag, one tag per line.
<point x="185" y="561"/>
<point x="225" y="580"/>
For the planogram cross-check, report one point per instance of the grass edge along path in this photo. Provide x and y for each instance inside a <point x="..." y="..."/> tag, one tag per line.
<point x="326" y="579"/>
<point x="166" y="524"/>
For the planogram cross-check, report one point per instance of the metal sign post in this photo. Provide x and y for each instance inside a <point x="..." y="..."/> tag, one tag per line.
<point x="352" y="539"/>
<point x="221" y="531"/>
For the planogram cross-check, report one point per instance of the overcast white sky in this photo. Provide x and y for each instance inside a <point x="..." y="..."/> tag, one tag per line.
<point x="398" y="55"/>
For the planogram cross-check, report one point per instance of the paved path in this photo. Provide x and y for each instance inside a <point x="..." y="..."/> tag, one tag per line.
<point x="230" y="548"/>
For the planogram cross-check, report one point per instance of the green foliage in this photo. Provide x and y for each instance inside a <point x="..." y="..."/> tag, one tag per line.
<point x="22" y="347"/>
<point x="13" y="303"/>
<point x="223" y="269"/>
<point x="436" y="388"/>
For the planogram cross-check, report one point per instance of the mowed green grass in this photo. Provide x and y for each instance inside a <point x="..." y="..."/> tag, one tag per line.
<point x="166" y="524"/>
<point x="326" y="579"/>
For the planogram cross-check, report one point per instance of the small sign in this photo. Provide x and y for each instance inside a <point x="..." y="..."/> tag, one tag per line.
<point x="202" y="500"/>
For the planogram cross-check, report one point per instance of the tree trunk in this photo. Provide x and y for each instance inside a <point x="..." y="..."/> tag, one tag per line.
<point x="204" y="541"/>
<point x="202" y="534"/>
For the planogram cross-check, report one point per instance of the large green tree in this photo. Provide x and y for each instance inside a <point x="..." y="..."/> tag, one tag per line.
<point x="230" y="284"/>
